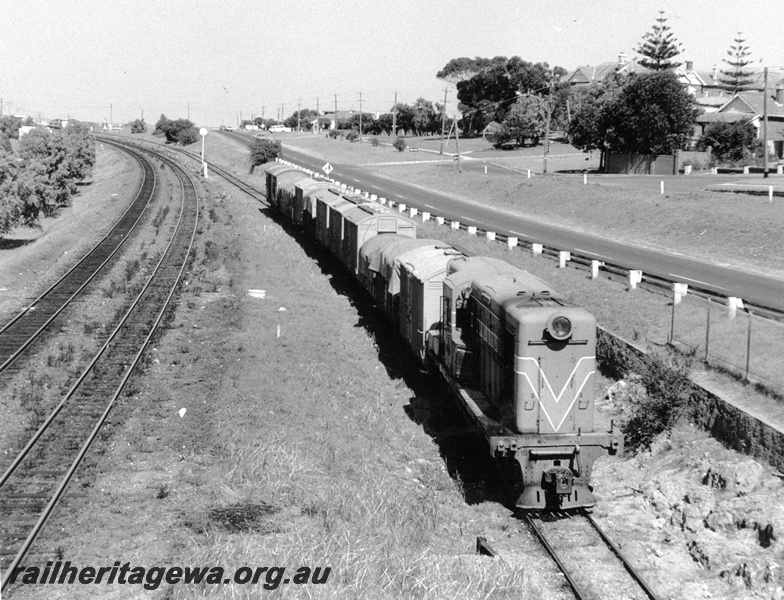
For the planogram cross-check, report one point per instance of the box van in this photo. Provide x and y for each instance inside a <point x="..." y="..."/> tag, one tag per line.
<point x="279" y="129"/>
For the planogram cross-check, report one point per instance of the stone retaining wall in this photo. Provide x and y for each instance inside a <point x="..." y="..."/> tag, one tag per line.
<point x="726" y="422"/>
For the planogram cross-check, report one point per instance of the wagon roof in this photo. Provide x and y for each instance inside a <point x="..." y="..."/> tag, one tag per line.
<point x="427" y="262"/>
<point x="364" y="212"/>
<point x="278" y="169"/>
<point x="380" y="251"/>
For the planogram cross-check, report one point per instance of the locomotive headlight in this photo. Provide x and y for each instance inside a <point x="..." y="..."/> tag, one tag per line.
<point x="559" y="327"/>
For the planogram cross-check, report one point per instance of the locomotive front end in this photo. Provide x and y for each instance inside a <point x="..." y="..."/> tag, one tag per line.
<point x="553" y="407"/>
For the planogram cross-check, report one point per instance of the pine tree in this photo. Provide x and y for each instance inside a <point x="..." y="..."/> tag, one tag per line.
<point x="737" y="77"/>
<point x="659" y="46"/>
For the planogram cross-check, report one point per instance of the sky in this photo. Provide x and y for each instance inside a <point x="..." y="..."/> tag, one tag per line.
<point x="214" y="60"/>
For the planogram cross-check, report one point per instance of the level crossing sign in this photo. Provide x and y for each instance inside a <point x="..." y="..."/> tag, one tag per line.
<point x="327" y="168"/>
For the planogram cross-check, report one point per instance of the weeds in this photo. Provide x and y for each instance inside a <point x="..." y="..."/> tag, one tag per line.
<point x="65" y="354"/>
<point x="663" y="376"/>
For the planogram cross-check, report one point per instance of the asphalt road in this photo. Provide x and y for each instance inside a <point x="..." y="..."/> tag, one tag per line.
<point x="757" y="289"/>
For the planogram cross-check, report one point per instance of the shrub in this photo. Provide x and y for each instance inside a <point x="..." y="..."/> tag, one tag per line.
<point x="333" y="134"/>
<point x="138" y="126"/>
<point x="664" y="377"/>
<point x="374" y="141"/>
<point x="352" y="136"/>
<point x="263" y="151"/>
<point x="399" y="144"/>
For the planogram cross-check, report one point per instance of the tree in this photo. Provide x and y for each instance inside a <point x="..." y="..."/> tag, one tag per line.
<point x="262" y="151"/>
<point x="659" y="47"/>
<point x="9" y="127"/>
<point x="138" y="126"/>
<point x="179" y="131"/>
<point x="424" y="120"/>
<point x="405" y="118"/>
<point x="737" y="77"/>
<point x="489" y="94"/>
<point x="11" y="205"/>
<point x="462" y="69"/>
<point x="399" y="144"/>
<point x="652" y="114"/>
<point x="306" y="115"/>
<point x="526" y="120"/>
<point x="730" y="141"/>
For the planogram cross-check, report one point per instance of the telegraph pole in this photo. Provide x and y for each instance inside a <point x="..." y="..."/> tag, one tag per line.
<point x="394" y="116"/>
<point x="457" y="146"/>
<point x="189" y="111"/>
<point x="360" y="116"/>
<point x="443" y="123"/>
<point x="336" y="112"/>
<point x="317" y="106"/>
<point x="765" y="126"/>
<point x="299" y="108"/>
<point x="111" y="120"/>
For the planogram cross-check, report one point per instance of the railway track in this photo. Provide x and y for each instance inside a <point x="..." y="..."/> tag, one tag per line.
<point x="32" y="485"/>
<point x="32" y="322"/>
<point x="607" y="574"/>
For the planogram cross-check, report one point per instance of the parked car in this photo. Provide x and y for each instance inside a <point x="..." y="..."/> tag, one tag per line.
<point x="279" y="129"/>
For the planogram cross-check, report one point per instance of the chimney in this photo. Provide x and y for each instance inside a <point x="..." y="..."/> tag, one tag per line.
<point x="622" y="58"/>
<point x="689" y="65"/>
<point x="715" y="72"/>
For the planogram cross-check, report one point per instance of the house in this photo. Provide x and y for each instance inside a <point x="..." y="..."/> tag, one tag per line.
<point x="586" y="75"/>
<point x="749" y="107"/>
<point x="336" y="117"/>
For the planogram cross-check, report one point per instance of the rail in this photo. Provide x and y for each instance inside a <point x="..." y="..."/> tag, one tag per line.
<point x="152" y="300"/>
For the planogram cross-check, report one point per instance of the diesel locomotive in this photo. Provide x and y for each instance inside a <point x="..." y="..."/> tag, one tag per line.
<point x="519" y="357"/>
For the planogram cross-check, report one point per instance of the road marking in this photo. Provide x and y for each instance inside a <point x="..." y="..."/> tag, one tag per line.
<point x="429" y="206"/>
<point x="587" y="252"/>
<point x="375" y="187"/>
<point x="467" y="219"/>
<point x="698" y="281"/>
<point x="517" y="232"/>
<point x="399" y="196"/>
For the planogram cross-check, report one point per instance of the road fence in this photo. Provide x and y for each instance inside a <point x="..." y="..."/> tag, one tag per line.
<point x="748" y="345"/>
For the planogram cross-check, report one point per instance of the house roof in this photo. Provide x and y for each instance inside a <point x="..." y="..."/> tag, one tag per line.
<point x="752" y="103"/>
<point x="590" y="74"/>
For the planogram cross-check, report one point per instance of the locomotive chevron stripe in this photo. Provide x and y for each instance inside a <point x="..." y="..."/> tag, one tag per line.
<point x="555" y="411"/>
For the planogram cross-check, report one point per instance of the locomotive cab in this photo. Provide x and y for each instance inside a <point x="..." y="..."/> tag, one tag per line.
<point x="524" y="359"/>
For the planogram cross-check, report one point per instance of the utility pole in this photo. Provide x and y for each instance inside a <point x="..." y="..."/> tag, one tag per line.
<point x="457" y="146"/>
<point x="262" y="113"/>
<point x="282" y="112"/>
<point x="443" y="123"/>
<point x="142" y="114"/>
<point x="317" y="106"/>
<point x="765" y="126"/>
<point x="111" y="120"/>
<point x="189" y="111"/>
<point x="548" y="114"/>
<point x="394" y="116"/>
<point x="336" y="112"/>
<point x="360" y="116"/>
<point x="299" y="108"/>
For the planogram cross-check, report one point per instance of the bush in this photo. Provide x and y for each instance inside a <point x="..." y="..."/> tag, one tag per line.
<point x="180" y="131"/>
<point x="399" y="144"/>
<point x="664" y="378"/>
<point x="263" y="151"/>
<point x="352" y="136"/>
<point x="138" y="126"/>
<point x="333" y="134"/>
<point x="374" y="141"/>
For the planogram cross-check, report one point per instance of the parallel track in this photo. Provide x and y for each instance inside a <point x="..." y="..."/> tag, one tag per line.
<point x="638" y="588"/>
<point x="33" y="484"/>
<point x="30" y="324"/>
